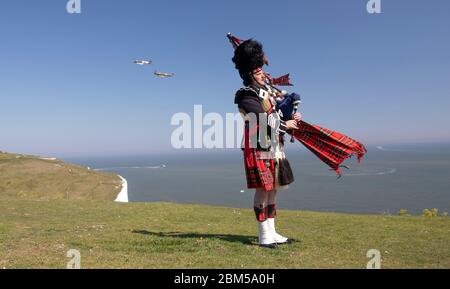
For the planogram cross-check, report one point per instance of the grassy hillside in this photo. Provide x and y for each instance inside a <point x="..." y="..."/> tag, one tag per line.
<point x="38" y="234"/>
<point x="48" y="207"/>
<point x="28" y="177"/>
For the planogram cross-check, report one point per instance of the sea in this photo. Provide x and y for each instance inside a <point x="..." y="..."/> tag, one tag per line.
<point x="388" y="179"/>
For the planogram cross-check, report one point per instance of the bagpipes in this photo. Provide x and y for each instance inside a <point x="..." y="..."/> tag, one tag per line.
<point x="329" y="146"/>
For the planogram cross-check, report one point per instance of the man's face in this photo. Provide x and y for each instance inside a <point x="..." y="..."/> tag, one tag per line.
<point x="259" y="77"/>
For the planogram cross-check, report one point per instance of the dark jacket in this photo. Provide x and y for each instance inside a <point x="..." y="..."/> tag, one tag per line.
<point x="249" y="101"/>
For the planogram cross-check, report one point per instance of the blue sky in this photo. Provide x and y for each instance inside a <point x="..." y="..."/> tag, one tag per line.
<point x="68" y="87"/>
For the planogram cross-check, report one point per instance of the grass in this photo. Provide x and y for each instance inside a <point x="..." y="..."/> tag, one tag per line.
<point x="37" y="234"/>
<point x="39" y="225"/>
<point x="26" y="177"/>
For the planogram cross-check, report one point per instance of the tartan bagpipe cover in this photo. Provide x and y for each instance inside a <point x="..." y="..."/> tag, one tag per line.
<point x="330" y="146"/>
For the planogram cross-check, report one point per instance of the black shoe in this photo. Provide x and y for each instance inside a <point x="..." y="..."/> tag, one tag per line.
<point x="270" y="246"/>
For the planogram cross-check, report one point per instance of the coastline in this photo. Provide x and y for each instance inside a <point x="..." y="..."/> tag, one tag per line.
<point x="122" y="197"/>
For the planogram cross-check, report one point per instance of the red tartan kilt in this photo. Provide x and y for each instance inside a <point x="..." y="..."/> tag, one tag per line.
<point x="259" y="173"/>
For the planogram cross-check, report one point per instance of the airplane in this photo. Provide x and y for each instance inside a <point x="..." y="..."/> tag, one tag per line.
<point x="142" y="62"/>
<point x="163" y="74"/>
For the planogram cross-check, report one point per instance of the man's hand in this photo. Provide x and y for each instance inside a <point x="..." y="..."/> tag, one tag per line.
<point x="291" y="124"/>
<point x="297" y="116"/>
<point x="280" y="95"/>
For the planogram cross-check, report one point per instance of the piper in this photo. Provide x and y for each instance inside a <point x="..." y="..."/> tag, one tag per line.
<point x="268" y="169"/>
<point x="266" y="166"/>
